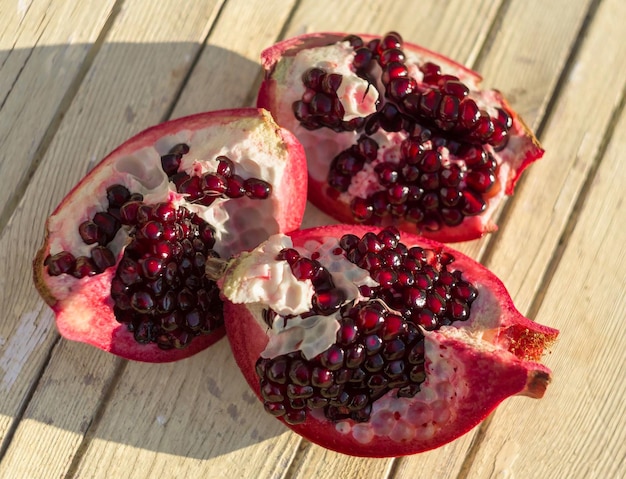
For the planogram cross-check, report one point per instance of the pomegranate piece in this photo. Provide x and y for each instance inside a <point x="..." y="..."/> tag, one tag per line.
<point x="123" y="260"/>
<point x="396" y="134"/>
<point x="375" y="343"/>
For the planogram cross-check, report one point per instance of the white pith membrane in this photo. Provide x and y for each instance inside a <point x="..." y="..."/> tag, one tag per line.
<point x="322" y="145"/>
<point x="241" y="223"/>
<point x="421" y="417"/>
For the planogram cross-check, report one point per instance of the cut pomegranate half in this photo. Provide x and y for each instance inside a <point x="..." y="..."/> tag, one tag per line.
<point x="377" y="344"/>
<point x="123" y="260"/>
<point x="396" y="134"/>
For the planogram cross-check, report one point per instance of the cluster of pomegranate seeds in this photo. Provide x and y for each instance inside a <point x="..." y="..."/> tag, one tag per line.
<point x="159" y="288"/>
<point x="320" y="106"/>
<point x="101" y="229"/>
<point x="446" y="170"/>
<point x="380" y="345"/>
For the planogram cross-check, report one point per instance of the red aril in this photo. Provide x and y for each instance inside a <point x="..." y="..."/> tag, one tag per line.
<point x="396" y="134"/>
<point x="373" y="343"/>
<point x="123" y="260"/>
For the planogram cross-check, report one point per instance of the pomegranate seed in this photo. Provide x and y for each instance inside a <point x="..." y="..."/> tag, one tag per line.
<point x="257" y="189"/>
<point x="60" y="263"/>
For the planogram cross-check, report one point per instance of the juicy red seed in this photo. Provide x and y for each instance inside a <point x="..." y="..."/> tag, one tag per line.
<point x="367" y="147"/>
<point x="192" y="187"/>
<point x="214" y="184"/>
<point x="348" y="162"/>
<point x="472" y="203"/>
<point x="455" y="88"/>
<point x="84" y="267"/>
<point x="390" y="40"/>
<point x="369" y="243"/>
<point x="468" y="113"/>
<point x="480" y="180"/>
<point x="361" y="209"/>
<point x="152" y="230"/>
<point x="60" y="263"/>
<point x="236" y="187"/>
<point x="430" y="161"/>
<point x="451" y="175"/>
<point x="430" y="69"/>
<point x="107" y="224"/>
<point x="225" y="166"/>
<point x="391" y="55"/>
<point x="483" y="129"/>
<point x="257" y="189"/>
<point x="390" y="118"/>
<point x="448" y="110"/>
<point x="117" y="195"/>
<point x="451" y="217"/>
<point x="128" y="212"/>
<point x="313" y="77"/>
<point x="362" y="58"/>
<point x="339" y="181"/>
<point x="369" y="320"/>
<point x="385" y="276"/>
<point x="102" y="257"/>
<point x="429" y="103"/>
<point x="387" y="173"/>
<point x="305" y="268"/>
<point x="331" y="82"/>
<point x="399" y="88"/>
<point x="325" y="302"/>
<point x="90" y="233"/>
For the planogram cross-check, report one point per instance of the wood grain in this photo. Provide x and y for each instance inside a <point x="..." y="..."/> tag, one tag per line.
<point x="77" y="78"/>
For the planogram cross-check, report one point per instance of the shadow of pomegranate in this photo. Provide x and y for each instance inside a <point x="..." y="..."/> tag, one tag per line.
<point x="199" y="407"/>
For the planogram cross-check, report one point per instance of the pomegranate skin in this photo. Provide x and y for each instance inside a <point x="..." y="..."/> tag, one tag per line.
<point x="322" y="148"/>
<point x="478" y="364"/>
<point x="83" y="307"/>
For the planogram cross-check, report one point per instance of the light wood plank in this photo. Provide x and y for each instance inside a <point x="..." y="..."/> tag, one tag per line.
<point x="524" y="60"/>
<point x="579" y="428"/>
<point x="44" y="46"/>
<point x="205" y="435"/>
<point x="572" y="139"/>
<point x="228" y="71"/>
<point x="194" y="418"/>
<point x="59" y="414"/>
<point x="42" y="49"/>
<point x="118" y="97"/>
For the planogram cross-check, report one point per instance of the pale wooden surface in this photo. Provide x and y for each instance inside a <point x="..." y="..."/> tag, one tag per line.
<point x="77" y="78"/>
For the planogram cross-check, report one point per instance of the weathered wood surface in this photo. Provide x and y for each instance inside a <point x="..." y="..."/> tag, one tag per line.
<point x="77" y="78"/>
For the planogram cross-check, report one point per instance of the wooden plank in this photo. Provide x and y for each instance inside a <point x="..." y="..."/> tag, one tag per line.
<point x="59" y="415"/>
<point x="194" y="418"/>
<point x="44" y="46"/>
<point x="35" y="50"/>
<point x="572" y="139"/>
<point x="579" y="428"/>
<point x="228" y="70"/>
<point x="216" y="428"/>
<point x="116" y="99"/>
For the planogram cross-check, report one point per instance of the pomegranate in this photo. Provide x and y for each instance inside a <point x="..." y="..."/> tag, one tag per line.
<point x="373" y="343"/>
<point x="123" y="260"/>
<point x="396" y="134"/>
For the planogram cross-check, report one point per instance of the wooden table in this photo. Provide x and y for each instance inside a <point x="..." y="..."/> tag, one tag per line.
<point x="77" y="78"/>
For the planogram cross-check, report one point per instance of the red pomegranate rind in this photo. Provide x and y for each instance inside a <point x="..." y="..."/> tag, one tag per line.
<point x="485" y="360"/>
<point x="84" y="307"/>
<point x="321" y="149"/>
